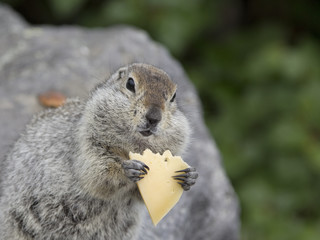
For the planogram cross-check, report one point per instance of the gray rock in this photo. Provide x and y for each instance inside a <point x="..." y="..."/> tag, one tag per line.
<point x="72" y="60"/>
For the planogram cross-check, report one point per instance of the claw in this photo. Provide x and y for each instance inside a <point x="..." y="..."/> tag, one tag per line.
<point x="191" y="169"/>
<point x="188" y="173"/>
<point x="144" y="170"/>
<point x="137" y="173"/>
<point x="135" y="179"/>
<point x="182" y="175"/>
<point x="182" y="184"/>
<point x="188" y="181"/>
<point x="179" y="178"/>
<point x="145" y="166"/>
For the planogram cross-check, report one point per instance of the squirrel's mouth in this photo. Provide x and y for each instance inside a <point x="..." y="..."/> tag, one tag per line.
<point x="146" y="133"/>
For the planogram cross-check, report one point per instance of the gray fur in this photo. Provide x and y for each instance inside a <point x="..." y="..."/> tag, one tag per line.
<point x="64" y="177"/>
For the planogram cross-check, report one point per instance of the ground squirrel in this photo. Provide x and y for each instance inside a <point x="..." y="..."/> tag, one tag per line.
<point x="69" y="177"/>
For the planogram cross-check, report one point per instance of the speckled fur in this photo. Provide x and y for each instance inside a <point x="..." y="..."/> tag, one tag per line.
<point x="64" y="178"/>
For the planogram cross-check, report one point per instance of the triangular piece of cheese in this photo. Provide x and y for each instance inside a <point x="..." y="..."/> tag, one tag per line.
<point x="158" y="189"/>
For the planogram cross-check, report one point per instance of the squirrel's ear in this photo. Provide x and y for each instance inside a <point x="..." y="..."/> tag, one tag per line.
<point x="121" y="72"/>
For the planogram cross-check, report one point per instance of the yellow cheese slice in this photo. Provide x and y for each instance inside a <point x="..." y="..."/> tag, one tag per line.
<point x="158" y="189"/>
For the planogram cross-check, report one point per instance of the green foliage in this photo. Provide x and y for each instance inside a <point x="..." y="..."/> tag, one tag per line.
<point x="174" y="23"/>
<point x="265" y="119"/>
<point x="63" y="8"/>
<point x="256" y="65"/>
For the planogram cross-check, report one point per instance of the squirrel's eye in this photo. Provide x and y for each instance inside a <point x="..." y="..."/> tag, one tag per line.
<point x="130" y="85"/>
<point x="173" y="97"/>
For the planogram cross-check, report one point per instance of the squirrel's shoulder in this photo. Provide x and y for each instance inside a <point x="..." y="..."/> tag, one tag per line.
<point x="53" y="123"/>
<point x="70" y="110"/>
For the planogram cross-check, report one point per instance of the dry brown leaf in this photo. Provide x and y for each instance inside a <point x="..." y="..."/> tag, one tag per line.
<point x="51" y="99"/>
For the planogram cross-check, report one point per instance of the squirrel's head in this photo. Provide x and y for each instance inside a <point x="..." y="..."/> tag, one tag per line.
<point x="136" y="108"/>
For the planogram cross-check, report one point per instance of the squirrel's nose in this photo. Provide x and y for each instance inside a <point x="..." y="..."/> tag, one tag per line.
<point x="153" y="116"/>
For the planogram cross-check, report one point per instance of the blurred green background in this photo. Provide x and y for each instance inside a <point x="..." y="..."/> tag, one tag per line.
<point x="256" y="64"/>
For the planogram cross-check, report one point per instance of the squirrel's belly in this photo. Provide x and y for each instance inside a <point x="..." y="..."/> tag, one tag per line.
<point x="117" y="222"/>
<point x="75" y="219"/>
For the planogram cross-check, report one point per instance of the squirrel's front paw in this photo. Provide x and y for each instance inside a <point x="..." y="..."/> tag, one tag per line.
<point x="134" y="169"/>
<point x="188" y="178"/>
